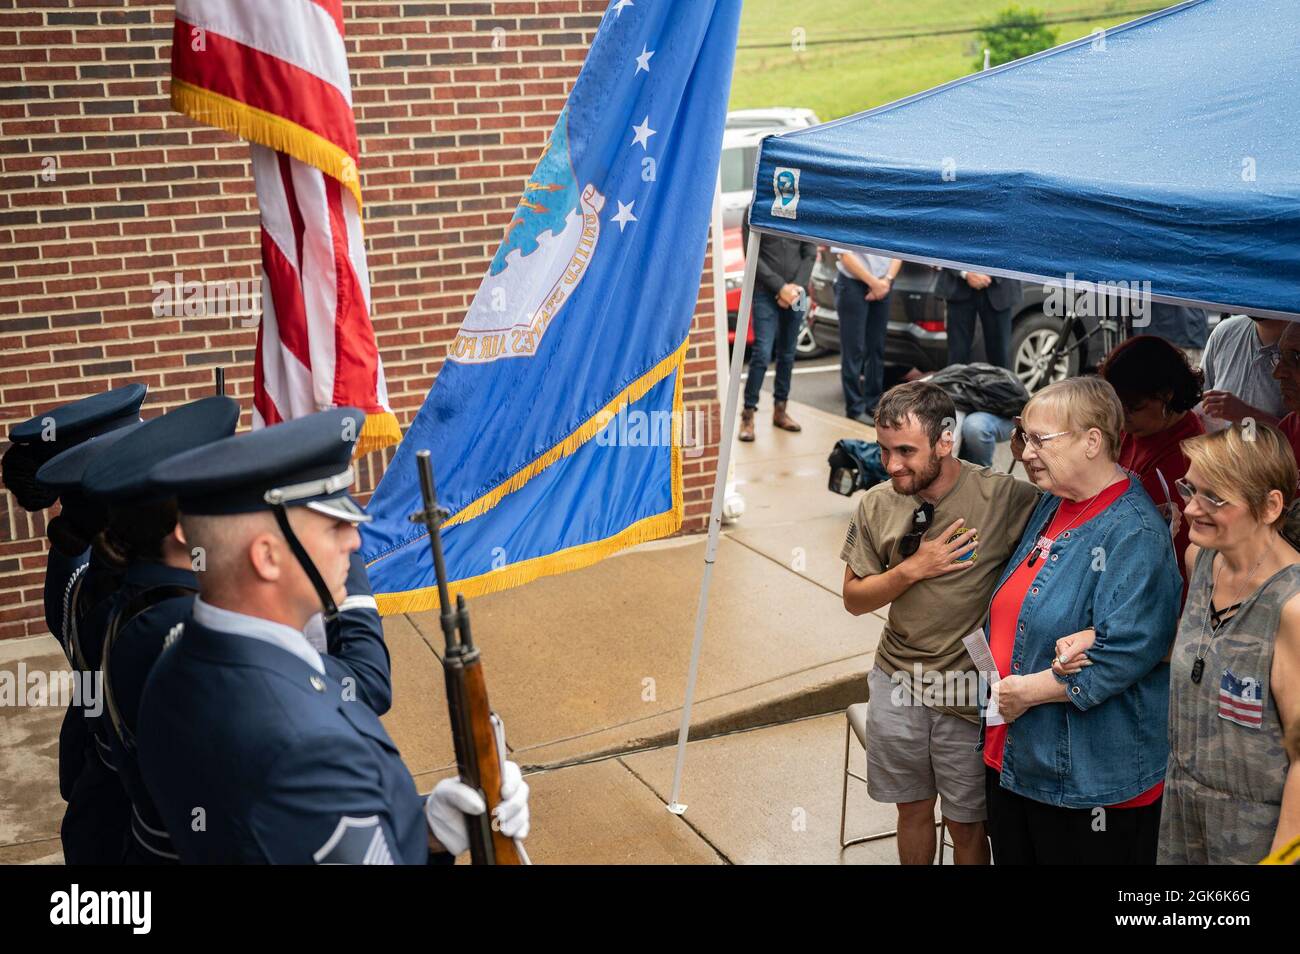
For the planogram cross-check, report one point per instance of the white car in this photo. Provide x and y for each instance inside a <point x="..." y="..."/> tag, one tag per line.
<point x="745" y="129"/>
<point x="780" y="117"/>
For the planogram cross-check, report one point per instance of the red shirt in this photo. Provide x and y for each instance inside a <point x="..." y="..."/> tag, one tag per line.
<point x="1290" y="426"/>
<point x="1004" y="613"/>
<point x="1160" y="452"/>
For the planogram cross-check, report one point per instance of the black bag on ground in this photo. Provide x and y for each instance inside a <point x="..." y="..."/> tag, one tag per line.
<point x="855" y="465"/>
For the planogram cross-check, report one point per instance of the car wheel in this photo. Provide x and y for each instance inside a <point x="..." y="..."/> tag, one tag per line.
<point x="1032" y="341"/>
<point x="806" y="345"/>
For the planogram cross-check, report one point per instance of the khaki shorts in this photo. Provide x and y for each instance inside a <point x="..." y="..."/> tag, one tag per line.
<point x="915" y="753"/>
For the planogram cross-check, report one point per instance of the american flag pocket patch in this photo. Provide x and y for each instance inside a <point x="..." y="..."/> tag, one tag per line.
<point x="1239" y="700"/>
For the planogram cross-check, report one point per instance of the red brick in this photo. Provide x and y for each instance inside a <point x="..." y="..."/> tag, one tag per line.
<point x="78" y="286"/>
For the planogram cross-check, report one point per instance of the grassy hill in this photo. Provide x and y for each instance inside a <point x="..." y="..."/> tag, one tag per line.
<point x="839" y="78"/>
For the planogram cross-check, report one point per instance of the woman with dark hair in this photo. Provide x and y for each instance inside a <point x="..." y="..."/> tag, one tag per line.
<point x="1158" y="389"/>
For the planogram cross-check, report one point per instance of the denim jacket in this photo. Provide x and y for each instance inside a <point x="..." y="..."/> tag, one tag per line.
<point x="1116" y="573"/>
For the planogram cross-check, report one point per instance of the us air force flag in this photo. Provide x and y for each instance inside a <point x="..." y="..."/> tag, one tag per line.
<point x="555" y="422"/>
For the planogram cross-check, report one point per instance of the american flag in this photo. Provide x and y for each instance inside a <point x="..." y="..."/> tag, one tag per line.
<point x="276" y="74"/>
<point x="1239" y="701"/>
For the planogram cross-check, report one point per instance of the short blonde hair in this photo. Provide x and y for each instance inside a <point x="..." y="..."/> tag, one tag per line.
<point x="1244" y="464"/>
<point x="1083" y="403"/>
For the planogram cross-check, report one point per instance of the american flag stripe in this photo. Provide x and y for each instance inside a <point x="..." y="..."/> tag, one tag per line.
<point x="277" y="75"/>
<point x="1235" y="707"/>
<point x="299" y="33"/>
<point x="271" y="85"/>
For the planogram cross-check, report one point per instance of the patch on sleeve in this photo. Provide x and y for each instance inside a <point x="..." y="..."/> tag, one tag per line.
<point x="851" y="539"/>
<point x="355" y="841"/>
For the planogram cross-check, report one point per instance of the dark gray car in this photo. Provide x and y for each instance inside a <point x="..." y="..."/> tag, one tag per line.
<point x="917" y="335"/>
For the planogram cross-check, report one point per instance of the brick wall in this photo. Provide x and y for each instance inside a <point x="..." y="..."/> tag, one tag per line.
<point x="105" y="191"/>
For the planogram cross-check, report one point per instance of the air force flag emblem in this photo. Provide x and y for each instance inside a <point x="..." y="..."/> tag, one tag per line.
<point x="548" y="245"/>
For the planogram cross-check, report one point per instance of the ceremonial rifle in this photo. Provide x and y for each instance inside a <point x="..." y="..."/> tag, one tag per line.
<point x="477" y="731"/>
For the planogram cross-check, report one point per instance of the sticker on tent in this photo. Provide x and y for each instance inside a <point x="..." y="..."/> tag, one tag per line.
<point x="785" y="183"/>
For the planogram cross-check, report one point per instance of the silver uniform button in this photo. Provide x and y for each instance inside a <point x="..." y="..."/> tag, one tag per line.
<point x="318" y="683"/>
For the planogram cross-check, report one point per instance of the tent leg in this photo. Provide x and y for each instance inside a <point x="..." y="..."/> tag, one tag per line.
<point x="715" y="515"/>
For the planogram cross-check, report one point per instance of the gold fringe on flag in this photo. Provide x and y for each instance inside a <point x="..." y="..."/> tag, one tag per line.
<point x="380" y="430"/>
<point x="574" y="558"/>
<point x="585" y="432"/>
<point x="267" y="129"/>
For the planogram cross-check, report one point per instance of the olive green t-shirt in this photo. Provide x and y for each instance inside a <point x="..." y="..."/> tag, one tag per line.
<point x="927" y="622"/>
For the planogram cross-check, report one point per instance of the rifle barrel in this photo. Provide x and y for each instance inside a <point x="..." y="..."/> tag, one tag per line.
<point x="433" y="520"/>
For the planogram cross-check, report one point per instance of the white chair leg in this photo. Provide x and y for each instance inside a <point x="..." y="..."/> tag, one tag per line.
<point x="844" y="800"/>
<point x="944" y="842"/>
<point x="844" y="796"/>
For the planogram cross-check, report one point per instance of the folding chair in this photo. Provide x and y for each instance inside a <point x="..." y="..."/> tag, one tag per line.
<point x="856" y="719"/>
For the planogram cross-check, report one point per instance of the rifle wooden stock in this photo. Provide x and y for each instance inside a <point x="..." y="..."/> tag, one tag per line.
<point x="479" y="755"/>
<point x="476" y="730"/>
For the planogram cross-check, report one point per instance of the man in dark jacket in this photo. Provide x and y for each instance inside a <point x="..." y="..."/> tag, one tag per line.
<point x="991" y="298"/>
<point x="780" y="303"/>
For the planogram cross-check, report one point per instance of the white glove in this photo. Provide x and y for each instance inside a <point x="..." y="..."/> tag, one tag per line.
<point x="451" y="800"/>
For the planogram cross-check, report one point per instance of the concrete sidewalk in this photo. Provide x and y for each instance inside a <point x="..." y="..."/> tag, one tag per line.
<point x="588" y="671"/>
<point x="594" y="663"/>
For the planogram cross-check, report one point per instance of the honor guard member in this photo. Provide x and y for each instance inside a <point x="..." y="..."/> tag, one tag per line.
<point x="79" y="580"/>
<point x="94" y="829"/>
<point x="251" y="742"/>
<point x="158" y="591"/>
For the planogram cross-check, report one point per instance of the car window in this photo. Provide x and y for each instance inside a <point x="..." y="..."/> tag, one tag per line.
<point x="738" y="168"/>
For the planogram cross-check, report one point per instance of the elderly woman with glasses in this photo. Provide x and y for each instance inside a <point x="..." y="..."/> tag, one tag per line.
<point x="1075" y="763"/>
<point x="1232" y="795"/>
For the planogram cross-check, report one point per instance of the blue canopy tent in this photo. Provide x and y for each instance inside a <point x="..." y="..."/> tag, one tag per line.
<point x="1166" y="149"/>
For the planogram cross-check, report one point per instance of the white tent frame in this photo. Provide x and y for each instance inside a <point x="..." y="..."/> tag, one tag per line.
<point x="715" y="513"/>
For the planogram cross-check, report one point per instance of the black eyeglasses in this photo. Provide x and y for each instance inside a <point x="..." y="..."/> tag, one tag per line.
<point x="922" y="517"/>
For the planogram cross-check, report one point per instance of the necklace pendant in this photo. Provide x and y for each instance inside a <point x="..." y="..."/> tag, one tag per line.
<point x="1198" y="670"/>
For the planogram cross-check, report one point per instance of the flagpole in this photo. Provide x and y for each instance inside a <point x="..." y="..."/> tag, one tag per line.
<point x="715" y="514"/>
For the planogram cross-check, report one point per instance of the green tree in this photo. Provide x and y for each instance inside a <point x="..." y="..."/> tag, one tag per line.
<point x="1013" y="33"/>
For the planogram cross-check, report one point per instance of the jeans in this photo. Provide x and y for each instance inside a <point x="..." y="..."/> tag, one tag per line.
<point x="961" y="330"/>
<point x="980" y="433"/>
<point x="862" y="345"/>
<point x="773" y="326"/>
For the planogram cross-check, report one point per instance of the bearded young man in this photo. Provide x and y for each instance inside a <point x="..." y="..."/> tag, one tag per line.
<point x="931" y="544"/>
